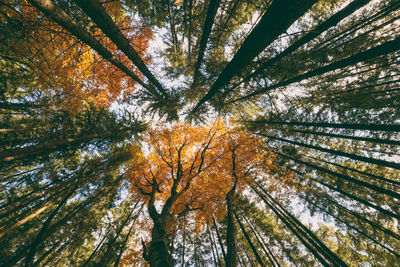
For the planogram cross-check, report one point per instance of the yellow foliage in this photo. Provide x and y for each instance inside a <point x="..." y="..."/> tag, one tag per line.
<point x="209" y="159"/>
<point x="68" y="71"/>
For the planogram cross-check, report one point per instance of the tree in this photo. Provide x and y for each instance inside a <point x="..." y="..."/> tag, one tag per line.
<point x="187" y="168"/>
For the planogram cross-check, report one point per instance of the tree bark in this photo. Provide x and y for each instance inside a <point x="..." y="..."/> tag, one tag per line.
<point x="211" y="12"/>
<point x="351" y="196"/>
<point x="34" y="245"/>
<point x="231" y="254"/>
<point x="157" y="254"/>
<point x="304" y="231"/>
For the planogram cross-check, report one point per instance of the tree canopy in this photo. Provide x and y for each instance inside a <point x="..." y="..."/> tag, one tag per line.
<point x="199" y="133"/>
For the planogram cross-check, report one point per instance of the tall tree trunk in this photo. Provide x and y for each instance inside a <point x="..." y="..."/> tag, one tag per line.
<point x="354" y="126"/>
<point x="383" y="49"/>
<point x="323" y="209"/>
<point x="331" y="22"/>
<point x="318" y="248"/>
<point x="253" y="248"/>
<point x="173" y="30"/>
<point x="231" y="254"/>
<point x="376" y="177"/>
<point x="347" y="178"/>
<point x="357" y="138"/>
<point x="381" y="162"/>
<point x="36" y="242"/>
<point x="213" y="246"/>
<point x="278" y="17"/>
<point x="211" y="12"/>
<point x="99" y="15"/>
<point x="45" y="149"/>
<point x="266" y="249"/>
<point x="108" y="254"/>
<point x="219" y="240"/>
<point x="351" y="196"/>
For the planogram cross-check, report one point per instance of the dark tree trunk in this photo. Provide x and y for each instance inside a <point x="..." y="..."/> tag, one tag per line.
<point x="45" y="149"/>
<point x="266" y="249"/>
<point x="99" y="15"/>
<point x="213" y="246"/>
<point x="318" y="248"/>
<point x="357" y="138"/>
<point x="323" y="209"/>
<point x="231" y="255"/>
<point x="381" y="162"/>
<point x="34" y="245"/>
<point x="332" y="21"/>
<point x="220" y="240"/>
<point x="354" y="126"/>
<point x="278" y="17"/>
<point x="347" y="178"/>
<point x="211" y="12"/>
<point x="383" y="49"/>
<point x="157" y="253"/>
<point x="253" y="248"/>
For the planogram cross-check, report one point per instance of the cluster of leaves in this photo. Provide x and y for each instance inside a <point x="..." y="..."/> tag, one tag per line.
<point x="66" y="70"/>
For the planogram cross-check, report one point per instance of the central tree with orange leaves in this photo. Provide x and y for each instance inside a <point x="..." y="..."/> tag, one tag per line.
<point x="196" y="169"/>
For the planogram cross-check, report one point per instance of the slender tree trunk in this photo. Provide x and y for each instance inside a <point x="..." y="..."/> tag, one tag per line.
<point x="47" y="253"/>
<point x="36" y="242"/>
<point x="99" y="245"/>
<point x="323" y="209"/>
<point x="320" y="250"/>
<point x="383" y="49"/>
<point x="45" y="149"/>
<point x="264" y="246"/>
<point x="347" y="178"/>
<point x="220" y="240"/>
<point x="212" y="243"/>
<point x="172" y="26"/>
<point x="376" y="177"/>
<point x="253" y="248"/>
<point x="357" y="138"/>
<point x="354" y="126"/>
<point x="184" y="241"/>
<point x="385" y="163"/>
<point x="211" y="12"/>
<point x="351" y="196"/>
<point x="123" y="246"/>
<point x="19" y="106"/>
<point x="99" y="15"/>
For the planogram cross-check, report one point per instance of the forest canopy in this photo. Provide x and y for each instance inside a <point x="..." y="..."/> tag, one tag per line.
<point x="199" y="133"/>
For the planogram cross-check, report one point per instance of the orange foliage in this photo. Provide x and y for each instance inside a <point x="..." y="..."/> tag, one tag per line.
<point x="69" y="72"/>
<point x="209" y="159"/>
